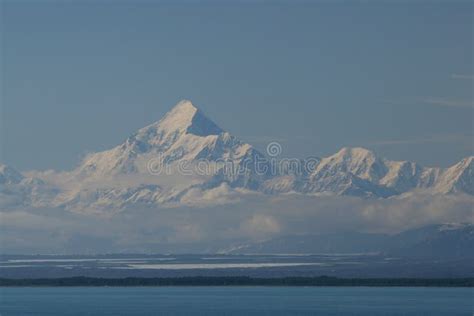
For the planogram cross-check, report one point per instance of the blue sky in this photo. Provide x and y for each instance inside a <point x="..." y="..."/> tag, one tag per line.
<point x="315" y="76"/>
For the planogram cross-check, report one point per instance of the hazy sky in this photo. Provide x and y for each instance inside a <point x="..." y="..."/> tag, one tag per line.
<point x="395" y="78"/>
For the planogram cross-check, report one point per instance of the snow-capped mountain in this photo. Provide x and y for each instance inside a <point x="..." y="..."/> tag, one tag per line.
<point x="185" y="154"/>
<point x="360" y="172"/>
<point x="184" y="134"/>
<point x="16" y="190"/>
<point x="458" y="178"/>
<point x="176" y="145"/>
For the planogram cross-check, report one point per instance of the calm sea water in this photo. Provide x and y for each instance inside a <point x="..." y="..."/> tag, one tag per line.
<point x="236" y="301"/>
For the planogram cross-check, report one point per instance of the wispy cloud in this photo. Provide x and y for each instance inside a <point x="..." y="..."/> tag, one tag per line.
<point x="434" y="101"/>
<point x="447" y="138"/>
<point x="264" y="139"/>
<point x="462" y="76"/>
<point x="448" y="102"/>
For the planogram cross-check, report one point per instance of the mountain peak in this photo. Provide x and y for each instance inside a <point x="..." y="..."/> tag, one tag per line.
<point x="180" y="116"/>
<point x="186" y="117"/>
<point x="184" y="106"/>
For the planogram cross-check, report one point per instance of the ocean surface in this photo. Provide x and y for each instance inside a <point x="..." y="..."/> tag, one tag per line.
<point x="236" y="301"/>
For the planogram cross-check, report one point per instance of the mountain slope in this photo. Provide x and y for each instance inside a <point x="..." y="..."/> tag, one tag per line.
<point x="458" y="178"/>
<point x="17" y="190"/>
<point x="184" y="145"/>
<point x="433" y="241"/>
<point x="184" y="133"/>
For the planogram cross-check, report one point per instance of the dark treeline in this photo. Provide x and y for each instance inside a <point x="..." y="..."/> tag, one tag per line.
<point x="239" y="281"/>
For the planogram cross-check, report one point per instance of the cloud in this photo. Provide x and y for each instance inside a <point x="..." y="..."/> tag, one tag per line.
<point x="259" y="224"/>
<point x="223" y="194"/>
<point x="447" y="138"/>
<point x="449" y="102"/>
<point x="462" y="76"/>
<point x="248" y="217"/>
<point x="434" y="101"/>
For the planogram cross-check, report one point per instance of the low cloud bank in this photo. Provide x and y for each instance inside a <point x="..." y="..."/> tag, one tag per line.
<point x="207" y="228"/>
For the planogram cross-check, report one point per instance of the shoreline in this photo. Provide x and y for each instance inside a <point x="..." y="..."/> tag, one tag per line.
<point x="237" y="281"/>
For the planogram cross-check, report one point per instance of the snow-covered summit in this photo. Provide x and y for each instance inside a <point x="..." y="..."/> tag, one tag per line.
<point x="186" y="117"/>
<point x="183" y="133"/>
<point x="359" y="161"/>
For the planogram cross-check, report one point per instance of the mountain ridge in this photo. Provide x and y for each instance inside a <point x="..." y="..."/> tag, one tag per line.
<point x="186" y="135"/>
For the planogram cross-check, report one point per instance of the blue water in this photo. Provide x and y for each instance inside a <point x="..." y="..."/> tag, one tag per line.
<point x="236" y="301"/>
